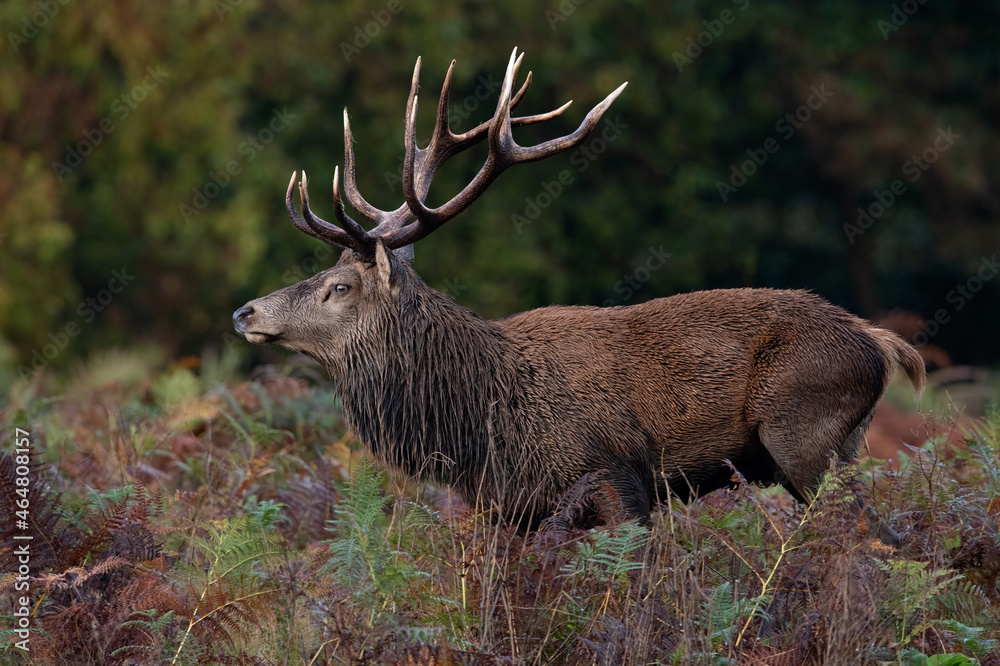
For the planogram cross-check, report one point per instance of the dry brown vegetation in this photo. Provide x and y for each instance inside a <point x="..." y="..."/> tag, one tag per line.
<point x="186" y="519"/>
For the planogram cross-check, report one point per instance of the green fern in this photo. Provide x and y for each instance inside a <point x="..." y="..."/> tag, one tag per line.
<point x="970" y="638"/>
<point x="718" y="622"/>
<point x="98" y="501"/>
<point x="356" y="550"/>
<point x="912" y="588"/>
<point x="362" y="556"/>
<point x="264" y="515"/>
<point x="364" y="503"/>
<point x="609" y="555"/>
<point x="154" y="626"/>
<point x="8" y="637"/>
<point x="236" y="586"/>
<point x="724" y="521"/>
<point x="983" y="447"/>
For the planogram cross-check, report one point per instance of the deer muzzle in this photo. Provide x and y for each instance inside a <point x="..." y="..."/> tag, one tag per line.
<point x="243" y="322"/>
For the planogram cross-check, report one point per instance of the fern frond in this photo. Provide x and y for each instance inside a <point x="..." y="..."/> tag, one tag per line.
<point x="234" y="592"/>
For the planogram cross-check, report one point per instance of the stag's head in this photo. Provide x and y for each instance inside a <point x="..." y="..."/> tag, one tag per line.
<point x="321" y="316"/>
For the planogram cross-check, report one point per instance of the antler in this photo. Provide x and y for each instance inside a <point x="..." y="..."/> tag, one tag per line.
<point x="395" y="228"/>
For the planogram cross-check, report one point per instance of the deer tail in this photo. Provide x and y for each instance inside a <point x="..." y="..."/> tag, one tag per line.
<point x="901" y="353"/>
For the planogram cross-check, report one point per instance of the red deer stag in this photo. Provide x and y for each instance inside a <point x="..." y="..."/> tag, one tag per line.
<point x="513" y="412"/>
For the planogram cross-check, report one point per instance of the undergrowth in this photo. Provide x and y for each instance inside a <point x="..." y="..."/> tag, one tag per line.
<point x="180" y="520"/>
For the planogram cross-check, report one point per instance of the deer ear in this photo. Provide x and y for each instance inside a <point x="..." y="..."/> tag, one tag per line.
<point x="384" y="263"/>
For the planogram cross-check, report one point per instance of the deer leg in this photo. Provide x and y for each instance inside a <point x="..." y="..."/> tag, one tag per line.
<point x="886" y="534"/>
<point x="802" y="455"/>
<point x="625" y="496"/>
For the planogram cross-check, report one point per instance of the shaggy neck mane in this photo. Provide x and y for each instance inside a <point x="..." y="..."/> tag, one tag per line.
<point x="429" y="394"/>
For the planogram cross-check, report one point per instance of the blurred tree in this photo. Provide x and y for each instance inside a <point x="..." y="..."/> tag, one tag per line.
<point x="157" y="139"/>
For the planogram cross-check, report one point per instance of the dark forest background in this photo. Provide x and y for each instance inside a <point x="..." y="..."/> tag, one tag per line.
<point x="145" y="148"/>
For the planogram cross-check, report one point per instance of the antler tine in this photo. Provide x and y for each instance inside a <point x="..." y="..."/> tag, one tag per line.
<point x="383" y="219"/>
<point x="500" y="137"/>
<point x="314" y="226"/>
<point x="537" y="118"/>
<point x="353" y="228"/>
<point x="409" y="125"/>
<point x="396" y="219"/>
<point x="481" y="128"/>
<point x="354" y="197"/>
<point x="442" y="128"/>
<point x="478" y="133"/>
<point x="553" y="146"/>
<point x="303" y="226"/>
<point x="444" y="143"/>
<point x="420" y="164"/>
<point x="520" y="93"/>
<point x="410" y="142"/>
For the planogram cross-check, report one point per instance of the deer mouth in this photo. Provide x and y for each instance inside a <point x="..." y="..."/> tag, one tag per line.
<point x="261" y="338"/>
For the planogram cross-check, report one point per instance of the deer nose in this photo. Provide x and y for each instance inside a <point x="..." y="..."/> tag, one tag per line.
<point x="240" y="318"/>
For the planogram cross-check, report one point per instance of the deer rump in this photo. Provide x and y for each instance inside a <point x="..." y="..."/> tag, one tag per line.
<point x="654" y="396"/>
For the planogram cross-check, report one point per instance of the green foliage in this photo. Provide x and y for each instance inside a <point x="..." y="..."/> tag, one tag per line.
<point x="971" y="639"/>
<point x="914" y="657"/>
<point x="154" y="625"/>
<point x="982" y="447"/>
<point x="235" y="590"/>
<point x="178" y="387"/>
<point x="234" y="547"/>
<point x="610" y="555"/>
<point x="719" y="620"/>
<point x="912" y="589"/>
<point x="264" y="516"/>
<point x="362" y="556"/>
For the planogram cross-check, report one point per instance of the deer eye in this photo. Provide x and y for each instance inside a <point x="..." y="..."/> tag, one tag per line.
<point x="340" y="289"/>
